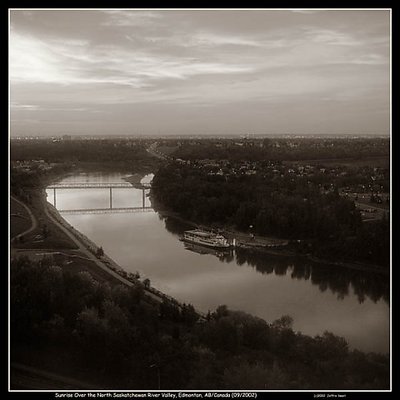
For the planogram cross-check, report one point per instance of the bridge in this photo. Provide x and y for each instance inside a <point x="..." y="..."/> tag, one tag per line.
<point x="106" y="210"/>
<point x="97" y="185"/>
<point x="101" y="185"/>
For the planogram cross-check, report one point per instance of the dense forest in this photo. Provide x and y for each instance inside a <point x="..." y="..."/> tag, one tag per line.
<point x="129" y="153"/>
<point x="34" y="163"/>
<point x="276" y="205"/>
<point x="133" y="344"/>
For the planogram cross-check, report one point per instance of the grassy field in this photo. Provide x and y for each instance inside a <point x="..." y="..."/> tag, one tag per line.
<point x="54" y="244"/>
<point x="55" y="239"/>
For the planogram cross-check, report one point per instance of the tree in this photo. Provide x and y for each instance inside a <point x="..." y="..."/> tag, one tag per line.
<point x="146" y="283"/>
<point x="255" y="376"/>
<point x="285" y="322"/>
<point x="221" y="311"/>
<point x="100" y="252"/>
<point x="188" y="314"/>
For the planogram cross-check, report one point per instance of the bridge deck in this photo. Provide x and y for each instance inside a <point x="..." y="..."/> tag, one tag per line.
<point x="92" y="185"/>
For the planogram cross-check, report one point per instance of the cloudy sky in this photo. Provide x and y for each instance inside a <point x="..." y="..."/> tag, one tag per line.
<point x="193" y="72"/>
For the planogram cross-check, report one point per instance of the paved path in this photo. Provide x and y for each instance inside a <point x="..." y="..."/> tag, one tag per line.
<point x="92" y="257"/>
<point x="85" y="251"/>
<point x="82" y="248"/>
<point x="33" y="220"/>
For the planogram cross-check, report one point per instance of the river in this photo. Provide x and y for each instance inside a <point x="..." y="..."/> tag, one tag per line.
<point x="349" y="303"/>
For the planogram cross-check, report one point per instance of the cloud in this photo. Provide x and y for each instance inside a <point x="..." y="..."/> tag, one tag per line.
<point x="120" y="18"/>
<point x="76" y="61"/>
<point x="26" y="107"/>
<point x="84" y="61"/>
<point x="212" y="39"/>
<point x="331" y="37"/>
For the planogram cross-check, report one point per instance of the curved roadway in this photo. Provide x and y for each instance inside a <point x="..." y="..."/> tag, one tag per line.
<point x="33" y="220"/>
<point x="92" y="257"/>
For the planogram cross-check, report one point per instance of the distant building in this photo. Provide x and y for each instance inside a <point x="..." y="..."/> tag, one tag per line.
<point x="66" y="137"/>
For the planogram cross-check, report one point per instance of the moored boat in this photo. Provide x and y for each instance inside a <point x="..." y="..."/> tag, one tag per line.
<point x="205" y="238"/>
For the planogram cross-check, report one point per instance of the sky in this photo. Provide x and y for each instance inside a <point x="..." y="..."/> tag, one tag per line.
<point x="193" y="72"/>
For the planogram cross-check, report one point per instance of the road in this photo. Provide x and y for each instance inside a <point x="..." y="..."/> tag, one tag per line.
<point x="82" y="248"/>
<point x="149" y="293"/>
<point x="85" y="251"/>
<point x="152" y="149"/>
<point x="92" y="257"/>
<point x="33" y="220"/>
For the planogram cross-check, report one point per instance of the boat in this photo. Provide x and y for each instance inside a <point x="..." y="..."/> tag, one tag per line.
<point x="208" y="239"/>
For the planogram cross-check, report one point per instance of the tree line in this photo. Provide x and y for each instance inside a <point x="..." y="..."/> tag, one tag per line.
<point x="273" y="205"/>
<point x="114" y="337"/>
<point x="110" y="154"/>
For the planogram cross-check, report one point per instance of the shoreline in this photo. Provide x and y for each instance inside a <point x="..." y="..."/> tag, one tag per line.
<point x="263" y="245"/>
<point x="108" y="264"/>
<point x="135" y="179"/>
<point x="274" y="249"/>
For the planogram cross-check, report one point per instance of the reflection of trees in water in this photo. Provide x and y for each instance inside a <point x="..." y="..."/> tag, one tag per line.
<point x="336" y="279"/>
<point x="301" y="271"/>
<point x="377" y="288"/>
<point x="227" y="256"/>
<point x="174" y="226"/>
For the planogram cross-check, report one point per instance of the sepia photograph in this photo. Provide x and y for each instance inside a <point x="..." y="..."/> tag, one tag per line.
<point x="199" y="201"/>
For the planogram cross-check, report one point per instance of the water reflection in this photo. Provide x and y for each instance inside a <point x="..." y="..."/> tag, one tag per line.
<point x="222" y="255"/>
<point x="337" y="279"/>
<point x="352" y="304"/>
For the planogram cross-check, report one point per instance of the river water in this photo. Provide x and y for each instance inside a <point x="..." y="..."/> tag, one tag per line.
<point x="349" y="303"/>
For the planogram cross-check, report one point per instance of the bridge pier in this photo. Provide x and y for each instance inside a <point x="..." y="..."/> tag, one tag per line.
<point x="110" y="197"/>
<point x="143" y="198"/>
<point x="54" y="198"/>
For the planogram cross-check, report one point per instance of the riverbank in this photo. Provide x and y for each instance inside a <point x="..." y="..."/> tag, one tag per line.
<point x="68" y="238"/>
<point x="135" y="179"/>
<point x="52" y="235"/>
<point x="266" y="245"/>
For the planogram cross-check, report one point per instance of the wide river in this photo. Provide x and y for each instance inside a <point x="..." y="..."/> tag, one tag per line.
<point x="348" y="303"/>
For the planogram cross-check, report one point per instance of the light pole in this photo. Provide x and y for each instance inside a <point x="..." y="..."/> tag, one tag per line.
<point x="251" y="232"/>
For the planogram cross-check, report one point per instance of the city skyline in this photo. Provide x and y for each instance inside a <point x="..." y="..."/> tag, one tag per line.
<point x="185" y="72"/>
